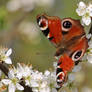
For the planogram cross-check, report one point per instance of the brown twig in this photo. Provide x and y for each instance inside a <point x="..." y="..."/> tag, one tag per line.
<point x="5" y="70"/>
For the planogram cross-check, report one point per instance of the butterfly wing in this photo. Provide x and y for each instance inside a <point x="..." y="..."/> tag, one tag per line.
<point x="51" y="28"/>
<point x="69" y="38"/>
<point x="65" y="64"/>
<point x="69" y="59"/>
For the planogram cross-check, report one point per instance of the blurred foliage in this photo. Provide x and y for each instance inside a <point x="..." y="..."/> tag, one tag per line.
<point x="3" y="14"/>
<point x="38" y="52"/>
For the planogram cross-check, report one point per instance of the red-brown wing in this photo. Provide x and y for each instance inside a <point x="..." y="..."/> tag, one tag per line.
<point x="65" y="64"/>
<point x="69" y="37"/>
<point x="69" y="58"/>
<point x="51" y="28"/>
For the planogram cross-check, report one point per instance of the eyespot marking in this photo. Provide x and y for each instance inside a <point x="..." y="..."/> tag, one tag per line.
<point x="77" y="55"/>
<point x="59" y="70"/>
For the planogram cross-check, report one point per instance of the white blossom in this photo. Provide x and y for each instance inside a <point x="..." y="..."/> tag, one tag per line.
<point x="23" y="71"/>
<point x="4" y="55"/>
<point x="85" y="11"/>
<point x="89" y="58"/>
<point x="12" y="82"/>
<point x="88" y="54"/>
<point x="81" y="8"/>
<point x="47" y="73"/>
<point x="38" y="81"/>
<point x="88" y="36"/>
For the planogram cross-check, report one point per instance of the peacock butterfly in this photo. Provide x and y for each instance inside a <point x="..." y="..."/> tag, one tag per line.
<point x="68" y="36"/>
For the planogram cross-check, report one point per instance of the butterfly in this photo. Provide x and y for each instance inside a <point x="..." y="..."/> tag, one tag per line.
<point x="68" y="36"/>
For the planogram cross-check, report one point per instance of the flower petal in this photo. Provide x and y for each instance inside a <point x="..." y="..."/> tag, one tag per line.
<point x="86" y="20"/>
<point x="8" y="53"/>
<point x="47" y="73"/>
<point x="90" y="9"/>
<point x="27" y="82"/>
<point x="80" y="12"/>
<point x="11" y="74"/>
<point x="89" y="57"/>
<point x="35" y="89"/>
<point x="8" y="61"/>
<point x="6" y="81"/>
<point x="34" y="83"/>
<point x="82" y="5"/>
<point x="19" y="87"/>
<point x="11" y="88"/>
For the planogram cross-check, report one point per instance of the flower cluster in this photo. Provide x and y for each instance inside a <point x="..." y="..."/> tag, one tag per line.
<point x="38" y="81"/>
<point x="85" y="11"/>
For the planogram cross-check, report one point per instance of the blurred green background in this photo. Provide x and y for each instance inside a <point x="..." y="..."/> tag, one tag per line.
<point x="19" y="31"/>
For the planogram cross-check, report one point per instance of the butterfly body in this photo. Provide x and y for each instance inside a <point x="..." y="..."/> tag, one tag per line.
<point x="68" y="36"/>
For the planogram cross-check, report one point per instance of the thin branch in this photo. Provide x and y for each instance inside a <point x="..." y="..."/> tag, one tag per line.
<point x="5" y="70"/>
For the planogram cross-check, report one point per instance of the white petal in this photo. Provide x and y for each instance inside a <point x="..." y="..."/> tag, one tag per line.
<point x="88" y="36"/>
<point x="6" y="81"/>
<point x="11" y="74"/>
<point x="19" y="87"/>
<point x="44" y="84"/>
<point x="90" y="44"/>
<point x="80" y="12"/>
<point x="86" y="20"/>
<point x="47" y="89"/>
<point x="34" y="83"/>
<point x="8" y="61"/>
<point x="89" y="57"/>
<point x="19" y="75"/>
<point x="90" y="9"/>
<point x="47" y="73"/>
<point x="9" y="52"/>
<point x="27" y="82"/>
<point x="82" y="5"/>
<point x="11" y="88"/>
<point x="35" y="90"/>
